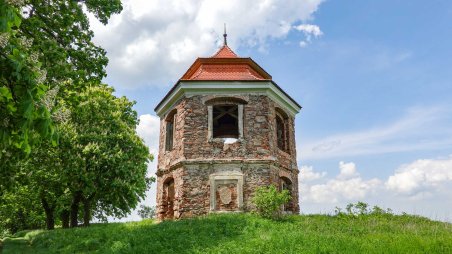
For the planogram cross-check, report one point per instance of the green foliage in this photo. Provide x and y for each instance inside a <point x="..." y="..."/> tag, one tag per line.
<point x="21" y="86"/>
<point x="113" y="157"/>
<point x="361" y="208"/>
<point x="20" y="210"/>
<point x="44" y="45"/>
<point x="146" y="212"/>
<point x="246" y="233"/>
<point x="100" y="162"/>
<point x="268" y="201"/>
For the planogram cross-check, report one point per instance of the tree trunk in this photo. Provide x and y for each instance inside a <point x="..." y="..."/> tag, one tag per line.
<point x="65" y="218"/>
<point x="50" y="219"/>
<point x="74" y="209"/>
<point x="86" y="211"/>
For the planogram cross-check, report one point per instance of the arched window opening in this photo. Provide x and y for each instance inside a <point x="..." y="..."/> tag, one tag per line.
<point x="286" y="184"/>
<point x="225" y="121"/>
<point x="282" y="133"/>
<point x="170" y="125"/>
<point x="168" y="199"/>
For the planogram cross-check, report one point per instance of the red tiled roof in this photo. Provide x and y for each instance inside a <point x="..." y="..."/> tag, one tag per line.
<point x="225" y="52"/>
<point x="226" y="72"/>
<point x="225" y="65"/>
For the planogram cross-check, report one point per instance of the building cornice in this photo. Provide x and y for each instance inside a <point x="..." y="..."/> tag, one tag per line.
<point x="211" y="161"/>
<point x="190" y="88"/>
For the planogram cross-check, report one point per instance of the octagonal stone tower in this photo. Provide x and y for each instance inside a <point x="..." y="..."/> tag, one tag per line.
<point x="225" y="129"/>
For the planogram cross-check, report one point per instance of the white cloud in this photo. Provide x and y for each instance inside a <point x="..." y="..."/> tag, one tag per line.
<point x="149" y="130"/>
<point x="421" y="187"/>
<point x="309" y="31"/>
<point x="346" y="186"/>
<point x="307" y="174"/>
<point x="348" y="170"/>
<point x="421" y="176"/>
<point x="419" y="129"/>
<point x="153" y="42"/>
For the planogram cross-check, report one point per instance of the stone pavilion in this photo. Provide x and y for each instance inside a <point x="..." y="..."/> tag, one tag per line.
<point x="226" y="128"/>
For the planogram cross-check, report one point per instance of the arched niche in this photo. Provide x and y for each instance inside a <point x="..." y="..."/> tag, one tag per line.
<point x="169" y="194"/>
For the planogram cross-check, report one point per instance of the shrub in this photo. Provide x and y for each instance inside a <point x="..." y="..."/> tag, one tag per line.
<point x="268" y="201"/>
<point x="361" y="208"/>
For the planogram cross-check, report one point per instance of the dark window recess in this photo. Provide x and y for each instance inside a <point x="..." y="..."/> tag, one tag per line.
<point x="225" y="121"/>
<point x="169" y="134"/>
<point x="286" y="184"/>
<point x="168" y="198"/>
<point x="280" y="133"/>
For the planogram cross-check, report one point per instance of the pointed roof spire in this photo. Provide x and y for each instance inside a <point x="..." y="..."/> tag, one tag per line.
<point x="225" y="35"/>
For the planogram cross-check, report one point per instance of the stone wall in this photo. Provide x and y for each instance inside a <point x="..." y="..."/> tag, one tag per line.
<point x="195" y="157"/>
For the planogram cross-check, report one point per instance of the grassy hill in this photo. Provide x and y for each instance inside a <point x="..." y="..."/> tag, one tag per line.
<point x="246" y="233"/>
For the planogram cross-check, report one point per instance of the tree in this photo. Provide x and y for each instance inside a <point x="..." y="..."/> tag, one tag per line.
<point x="43" y="45"/>
<point x="20" y="210"/>
<point x="99" y="165"/>
<point x="48" y="63"/>
<point x="111" y="179"/>
<point x="21" y="86"/>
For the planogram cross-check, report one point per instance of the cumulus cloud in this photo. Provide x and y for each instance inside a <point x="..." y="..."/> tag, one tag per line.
<point x="310" y="31"/>
<point x="346" y="186"/>
<point x="421" y="176"/>
<point x="348" y="170"/>
<point x="153" y="42"/>
<point x="308" y="174"/>
<point x="421" y="187"/>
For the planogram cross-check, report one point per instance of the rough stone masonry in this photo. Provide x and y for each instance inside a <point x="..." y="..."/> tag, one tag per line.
<point x="225" y="129"/>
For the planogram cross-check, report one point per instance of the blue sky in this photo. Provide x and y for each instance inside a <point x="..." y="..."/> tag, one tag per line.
<point x="374" y="79"/>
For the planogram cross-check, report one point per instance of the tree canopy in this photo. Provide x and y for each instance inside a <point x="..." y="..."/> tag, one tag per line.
<point x="66" y="142"/>
<point x="45" y="44"/>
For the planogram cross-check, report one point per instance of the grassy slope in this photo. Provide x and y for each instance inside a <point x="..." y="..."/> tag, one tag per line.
<point x="245" y="233"/>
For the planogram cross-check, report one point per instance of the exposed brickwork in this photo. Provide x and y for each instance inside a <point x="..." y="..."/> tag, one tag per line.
<point x="195" y="158"/>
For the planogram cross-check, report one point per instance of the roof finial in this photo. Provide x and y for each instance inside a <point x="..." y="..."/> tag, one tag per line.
<point x="225" y="35"/>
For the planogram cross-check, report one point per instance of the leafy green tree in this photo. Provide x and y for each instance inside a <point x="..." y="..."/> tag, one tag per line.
<point x="268" y="201"/>
<point x="20" y="210"/>
<point x="22" y="85"/>
<point x="99" y="165"/>
<point x="111" y="179"/>
<point x="48" y="63"/>
<point x="43" y="45"/>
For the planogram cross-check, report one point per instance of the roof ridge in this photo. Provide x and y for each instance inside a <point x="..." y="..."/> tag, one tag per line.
<point x="225" y="52"/>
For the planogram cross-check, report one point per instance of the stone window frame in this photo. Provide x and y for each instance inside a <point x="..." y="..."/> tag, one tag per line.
<point x="284" y="117"/>
<point x="225" y="176"/>
<point x="170" y="118"/>
<point x="225" y="101"/>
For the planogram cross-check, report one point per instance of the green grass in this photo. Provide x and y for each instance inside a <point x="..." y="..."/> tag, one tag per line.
<point x="246" y="233"/>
